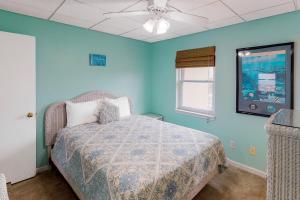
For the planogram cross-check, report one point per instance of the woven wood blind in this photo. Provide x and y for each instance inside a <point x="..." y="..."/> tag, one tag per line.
<point x="201" y="57"/>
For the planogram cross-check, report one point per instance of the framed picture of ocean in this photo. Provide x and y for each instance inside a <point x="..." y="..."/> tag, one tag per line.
<point x="265" y="79"/>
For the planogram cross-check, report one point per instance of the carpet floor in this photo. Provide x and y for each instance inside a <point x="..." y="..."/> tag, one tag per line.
<point x="233" y="184"/>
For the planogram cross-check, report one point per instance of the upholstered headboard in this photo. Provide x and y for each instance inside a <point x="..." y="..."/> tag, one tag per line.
<point x="56" y="117"/>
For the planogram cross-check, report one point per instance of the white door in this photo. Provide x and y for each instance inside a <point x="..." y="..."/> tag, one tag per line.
<point x="17" y="107"/>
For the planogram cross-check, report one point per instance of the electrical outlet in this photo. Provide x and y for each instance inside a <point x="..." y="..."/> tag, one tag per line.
<point x="252" y="150"/>
<point x="232" y="144"/>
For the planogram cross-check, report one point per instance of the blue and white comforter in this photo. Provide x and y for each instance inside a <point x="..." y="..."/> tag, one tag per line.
<point x="136" y="158"/>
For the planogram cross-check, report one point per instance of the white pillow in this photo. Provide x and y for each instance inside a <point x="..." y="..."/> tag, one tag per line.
<point x="82" y="113"/>
<point x="123" y="104"/>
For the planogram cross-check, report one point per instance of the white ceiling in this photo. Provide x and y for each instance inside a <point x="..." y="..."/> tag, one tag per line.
<point x="89" y="14"/>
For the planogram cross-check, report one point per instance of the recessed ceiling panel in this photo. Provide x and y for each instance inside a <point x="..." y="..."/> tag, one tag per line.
<point x="138" y="5"/>
<point x="189" y="5"/>
<point x="76" y="10"/>
<point x="72" y="21"/>
<point x="36" y="8"/>
<point x="110" y="5"/>
<point x="161" y="37"/>
<point x="138" y="34"/>
<point x="176" y="26"/>
<point x="243" y="7"/>
<point x="141" y="19"/>
<point x="41" y="4"/>
<point x="108" y="28"/>
<point x="224" y="22"/>
<point x="117" y="25"/>
<point x="190" y="30"/>
<point x="288" y="7"/>
<point x="90" y="14"/>
<point x="214" y="11"/>
<point x="180" y="28"/>
<point x="141" y="5"/>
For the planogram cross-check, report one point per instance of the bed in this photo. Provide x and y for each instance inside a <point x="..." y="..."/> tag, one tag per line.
<point x="134" y="158"/>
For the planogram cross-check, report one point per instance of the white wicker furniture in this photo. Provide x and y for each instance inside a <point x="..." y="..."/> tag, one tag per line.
<point x="3" y="189"/>
<point x="154" y="116"/>
<point x="283" y="176"/>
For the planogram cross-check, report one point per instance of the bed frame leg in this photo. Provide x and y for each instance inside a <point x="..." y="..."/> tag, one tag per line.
<point x="221" y="168"/>
<point x="50" y="162"/>
<point x="49" y="151"/>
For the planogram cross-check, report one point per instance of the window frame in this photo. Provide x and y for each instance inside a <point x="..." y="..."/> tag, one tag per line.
<point x="208" y="114"/>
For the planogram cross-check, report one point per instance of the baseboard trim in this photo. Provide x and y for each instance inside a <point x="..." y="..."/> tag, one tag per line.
<point x="43" y="169"/>
<point x="247" y="168"/>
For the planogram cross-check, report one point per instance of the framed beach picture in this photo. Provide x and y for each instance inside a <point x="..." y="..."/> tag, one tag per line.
<point x="265" y="79"/>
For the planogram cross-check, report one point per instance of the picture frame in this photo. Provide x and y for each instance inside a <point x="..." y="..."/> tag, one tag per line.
<point x="265" y="79"/>
<point x="97" y="60"/>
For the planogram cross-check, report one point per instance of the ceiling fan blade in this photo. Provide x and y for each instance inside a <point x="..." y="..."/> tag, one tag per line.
<point x="158" y="3"/>
<point x="187" y="18"/>
<point x="126" y="13"/>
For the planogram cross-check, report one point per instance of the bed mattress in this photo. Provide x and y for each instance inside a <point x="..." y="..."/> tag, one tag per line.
<point x="136" y="158"/>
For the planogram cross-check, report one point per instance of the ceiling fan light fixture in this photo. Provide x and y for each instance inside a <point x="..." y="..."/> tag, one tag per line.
<point x="160" y="13"/>
<point x="149" y="25"/>
<point x="163" y="26"/>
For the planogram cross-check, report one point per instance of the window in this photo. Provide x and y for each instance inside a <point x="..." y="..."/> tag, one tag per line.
<point x="195" y="90"/>
<point x="195" y="81"/>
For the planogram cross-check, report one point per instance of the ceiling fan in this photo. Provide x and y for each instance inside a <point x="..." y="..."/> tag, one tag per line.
<point x="159" y="12"/>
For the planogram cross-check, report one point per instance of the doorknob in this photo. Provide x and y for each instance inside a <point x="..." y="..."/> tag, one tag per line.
<point x="29" y="115"/>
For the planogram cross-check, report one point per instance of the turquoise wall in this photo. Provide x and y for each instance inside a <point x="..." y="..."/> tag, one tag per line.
<point x="146" y="73"/>
<point x="63" y="71"/>
<point x="246" y="130"/>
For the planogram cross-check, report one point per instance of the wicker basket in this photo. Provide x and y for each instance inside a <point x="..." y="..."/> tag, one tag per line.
<point x="3" y="189"/>
<point x="283" y="172"/>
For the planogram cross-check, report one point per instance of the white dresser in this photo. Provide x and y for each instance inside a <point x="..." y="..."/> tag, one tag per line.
<point x="283" y="175"/>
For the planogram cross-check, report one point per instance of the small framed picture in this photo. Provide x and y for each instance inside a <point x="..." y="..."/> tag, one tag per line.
<point x="265" y="79"/>
<point x="97" y="60"/>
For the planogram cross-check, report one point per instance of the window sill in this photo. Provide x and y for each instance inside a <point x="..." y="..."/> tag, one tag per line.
<point x="208" y="117"/>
